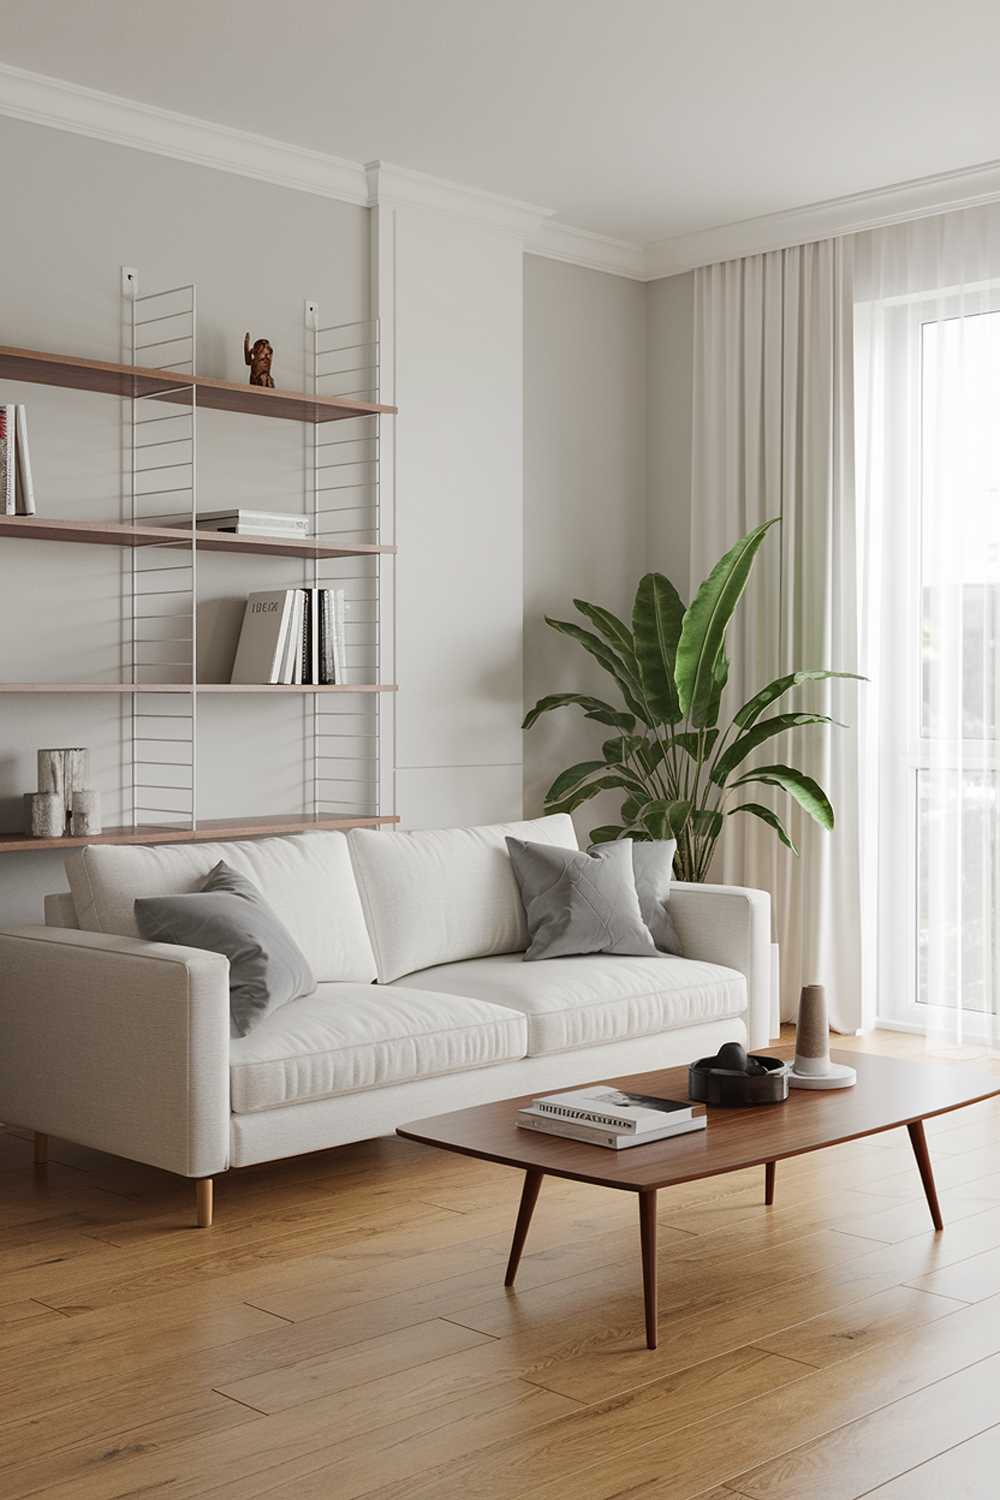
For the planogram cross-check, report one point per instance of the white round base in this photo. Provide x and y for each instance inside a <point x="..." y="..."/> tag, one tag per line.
<point x="840" y="1076"/>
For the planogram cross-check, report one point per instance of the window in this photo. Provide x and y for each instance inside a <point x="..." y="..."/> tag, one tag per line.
<point x="939" y="665"/>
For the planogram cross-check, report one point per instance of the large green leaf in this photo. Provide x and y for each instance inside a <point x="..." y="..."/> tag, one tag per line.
<point x="615" y="750"/>
<point x="703" y="632"/>
<point x="571" y="777"/>
<point x="595" y="708"/>
<point x="720" y="676"/>
<point x="651" y="754"/>
<point x="607" y="833"/>
<point x="764" y="730"/>
<point x="695" y="741"/>
<point x="766" y="816"/>
<point x="626" y="679"/>
<point x="707" y="822"/>
<point x="630" y="809"/>
<point x="656" y="625"/>
<point x="807" y="793"/>
<point x="665" y="820"/>
<point x="614" y="631"/>
<point x="589" y="789"/>
<point x="752" y="710"/>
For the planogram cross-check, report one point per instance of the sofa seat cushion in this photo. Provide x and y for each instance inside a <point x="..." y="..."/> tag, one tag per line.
<point x="586" y="1002"/>
<point x="305" y="878"/>
<point x="347" y="1037"/>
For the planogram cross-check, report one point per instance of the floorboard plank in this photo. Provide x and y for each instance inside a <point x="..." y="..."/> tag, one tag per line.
<point x="850" y="1462"/>
<point x="966" y="1472"/>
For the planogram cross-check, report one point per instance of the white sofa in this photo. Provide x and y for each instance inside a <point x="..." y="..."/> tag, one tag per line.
<point x="423" y="1001"/>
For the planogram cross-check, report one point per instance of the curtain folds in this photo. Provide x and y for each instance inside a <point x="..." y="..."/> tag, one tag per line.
<point x="773" y="435"/>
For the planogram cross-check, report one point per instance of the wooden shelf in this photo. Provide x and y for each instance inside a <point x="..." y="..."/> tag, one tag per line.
<point x="215" y="828"/>
<point x="40" y="368"/>
<point x="121" y="534"/>
<point x="201" y="687"/>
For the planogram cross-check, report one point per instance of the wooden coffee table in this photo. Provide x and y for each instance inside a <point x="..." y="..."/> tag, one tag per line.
<point x="889" y="1093"/>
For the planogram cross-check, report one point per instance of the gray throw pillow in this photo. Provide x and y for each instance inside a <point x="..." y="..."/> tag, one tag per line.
<point x="652" y="865"/>
<point x="577" y="903"/>
<point x="230" y="916"/>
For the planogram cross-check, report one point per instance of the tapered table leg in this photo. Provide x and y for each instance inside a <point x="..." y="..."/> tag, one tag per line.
<point x="529" y="1197"/>
<point x="919" y="1143"/>
<point x="647" y="1235"/>
<point x="769" y="1167"/>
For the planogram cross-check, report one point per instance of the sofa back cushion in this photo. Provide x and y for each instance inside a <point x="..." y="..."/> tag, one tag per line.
<point x="443" y="895"/>
<point x="306" y="879"/>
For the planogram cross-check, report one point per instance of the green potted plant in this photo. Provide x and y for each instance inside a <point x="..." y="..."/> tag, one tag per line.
<point x="681" y="773"/>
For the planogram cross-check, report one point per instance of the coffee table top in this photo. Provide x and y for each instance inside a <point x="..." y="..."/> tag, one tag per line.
<point x="888" y="1093"/>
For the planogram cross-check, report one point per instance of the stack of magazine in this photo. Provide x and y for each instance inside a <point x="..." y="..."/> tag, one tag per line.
<point x="274" y="523"/>
<point x="609" y="1117"/>
<point x="17" y="495"/>
<point x="292" y="635"/>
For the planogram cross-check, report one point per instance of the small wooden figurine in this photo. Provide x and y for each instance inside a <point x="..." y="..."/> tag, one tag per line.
<point x="259" y="357"/>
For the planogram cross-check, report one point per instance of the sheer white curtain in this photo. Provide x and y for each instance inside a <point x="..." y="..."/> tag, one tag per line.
<point x="927" y="345"/>
<point x="773" y="435"/>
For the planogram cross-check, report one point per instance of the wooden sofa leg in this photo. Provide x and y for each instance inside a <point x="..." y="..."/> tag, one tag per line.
<point x="41" y="1149"/>
<point x="203" y="1201"/>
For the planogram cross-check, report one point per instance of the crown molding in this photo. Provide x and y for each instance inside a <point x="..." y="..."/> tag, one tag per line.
<point x="581" y="247"/>
<point x="390" y="184"/>
<point x="917" y="199"/>
<point x="145" y="127"/>
<point x="126" y="122"/>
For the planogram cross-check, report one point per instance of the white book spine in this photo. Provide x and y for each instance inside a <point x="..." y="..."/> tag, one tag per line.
<point x="291" y="638"/>
<point x="595" y="1111"/>
<point x="603" y="1118"/>
<point x="615" y="1140"/>
<point x="339" y="636"/>
<point x="8" y="480"/>
<point x="25" y="486"/>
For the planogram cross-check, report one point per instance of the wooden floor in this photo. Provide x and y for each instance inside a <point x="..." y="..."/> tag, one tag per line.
<point x="343" y="1330"/>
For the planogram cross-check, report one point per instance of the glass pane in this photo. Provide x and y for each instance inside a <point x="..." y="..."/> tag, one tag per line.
<point x="958" y="882"/>
<point x="960" y="527"/>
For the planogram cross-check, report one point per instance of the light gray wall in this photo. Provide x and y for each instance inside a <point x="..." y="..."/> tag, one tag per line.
<point x="669" y="342"/>
<point x="606" y="491"/>
<point x="584" y="495"/>
<point x="77" y="210"/>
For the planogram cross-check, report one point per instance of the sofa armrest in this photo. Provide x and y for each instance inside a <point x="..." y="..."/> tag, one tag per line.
<point x="117" y="1044"/>
<point x="730" y="925"/>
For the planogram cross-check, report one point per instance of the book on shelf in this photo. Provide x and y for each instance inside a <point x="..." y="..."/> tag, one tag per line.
<point x="290" y="636"/>
<point x="17" y="490"/>
<point x="241" y="522"/>
<point x="614" y="1109"/>
<point x="532" y="1118"/>
<point x="8" y="471"/>
<point x="263" y="643"/>
<point x="24" y="488"/>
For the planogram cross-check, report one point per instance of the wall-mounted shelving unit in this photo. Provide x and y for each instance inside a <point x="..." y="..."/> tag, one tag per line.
<point x="121" y="534"/>
<point x="165" y="383"/>
<point x="344" y="747"/>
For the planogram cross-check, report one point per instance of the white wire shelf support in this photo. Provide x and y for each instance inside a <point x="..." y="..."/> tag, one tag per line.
<point x="162" y="602"/>
<point x="347" y="736"/>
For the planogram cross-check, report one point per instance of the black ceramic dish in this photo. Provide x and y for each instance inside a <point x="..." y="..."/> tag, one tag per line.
<point x="708" y="1084"/>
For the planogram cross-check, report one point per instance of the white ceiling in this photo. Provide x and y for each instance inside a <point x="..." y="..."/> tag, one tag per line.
<point x="641" y="119"/>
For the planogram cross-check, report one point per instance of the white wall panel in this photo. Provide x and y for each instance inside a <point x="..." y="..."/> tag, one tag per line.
<point x="455" y="288"/>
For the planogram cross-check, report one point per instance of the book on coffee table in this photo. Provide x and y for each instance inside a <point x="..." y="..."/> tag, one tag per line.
<point x="600" y="1104"/>
<point x="614" y="1138"/>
